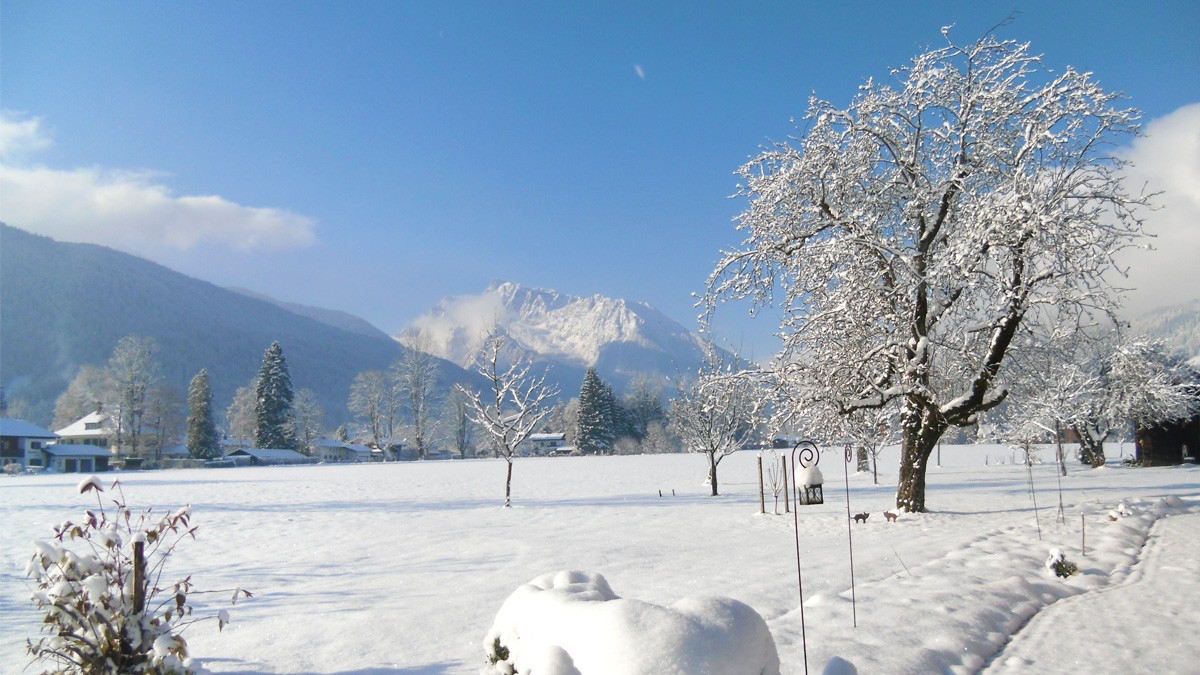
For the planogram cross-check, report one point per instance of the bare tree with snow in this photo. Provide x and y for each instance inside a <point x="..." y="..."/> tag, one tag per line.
<point x="239" y="416"/>
<point x="370" y="401"/>
<point x="461" y="428"/>
<point x="309" y="418"/>
<point x="917" y="238"/>
<point x="415" y="380"/>
<point x="134" y="371"/>
<point x="513" y="405"/>
<point x="717" y="413"/>
<point x="1135" y="381"/>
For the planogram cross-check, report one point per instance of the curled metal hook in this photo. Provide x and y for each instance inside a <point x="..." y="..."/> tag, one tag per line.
<point x="809" y="454"/>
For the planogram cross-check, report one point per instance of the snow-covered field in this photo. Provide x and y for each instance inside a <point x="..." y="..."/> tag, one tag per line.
<point x="401" y="568"/>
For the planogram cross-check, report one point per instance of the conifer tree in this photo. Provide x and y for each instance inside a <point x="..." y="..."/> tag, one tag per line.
<point x="202" y="439"/>
<point x="273" y="426"/>
<point x="596" y="403"/>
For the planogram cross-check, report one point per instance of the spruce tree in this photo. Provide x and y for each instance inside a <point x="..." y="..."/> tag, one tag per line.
<point x="202" y="439"/>
<point x="595" y="428"/>
<point x="273" y="426"/>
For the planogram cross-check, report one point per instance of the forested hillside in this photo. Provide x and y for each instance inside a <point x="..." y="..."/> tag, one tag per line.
<point x="66" y="305"/>
<point x="1177" y="325"/>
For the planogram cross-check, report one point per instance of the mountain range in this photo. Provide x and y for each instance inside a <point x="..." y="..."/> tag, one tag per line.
<point x="622" y="339"/>
<point x="66" y="305"/>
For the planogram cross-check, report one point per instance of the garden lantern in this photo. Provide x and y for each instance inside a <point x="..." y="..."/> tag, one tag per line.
<point x="810" y="480"/>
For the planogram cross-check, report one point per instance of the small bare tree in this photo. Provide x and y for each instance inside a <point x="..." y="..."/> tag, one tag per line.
<point x="774" y="475"/>
<point x="717" y="413"/>
<point x="514" y="404"/>
<point x="461" y="428"/>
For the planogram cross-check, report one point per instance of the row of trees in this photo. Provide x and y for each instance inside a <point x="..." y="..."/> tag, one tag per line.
<point x="147" y="416"/>
<point x="405" y="398"/>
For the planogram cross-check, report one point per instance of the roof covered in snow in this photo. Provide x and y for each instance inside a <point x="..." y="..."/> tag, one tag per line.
<point x="547" y="437"/>
<point x="269" y="454"/>
<point x="22" y="429"/>
<point x="73" y="450"/>
<point x="102" y="421"/>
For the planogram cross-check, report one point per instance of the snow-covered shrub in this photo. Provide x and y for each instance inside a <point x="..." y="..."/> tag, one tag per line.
<point x="571" y="623"/>
<point x="98" y="581"/>
<point x="13" y="468"/>
<point x="1058" y="564"/>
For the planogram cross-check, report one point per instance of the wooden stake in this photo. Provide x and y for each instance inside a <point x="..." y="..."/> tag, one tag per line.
<point x="786" y="487"/>
<point x="762" y="502"/>
<point x="139" y="577"/>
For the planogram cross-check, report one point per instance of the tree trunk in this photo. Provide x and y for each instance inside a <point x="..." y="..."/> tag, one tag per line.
<point x="1091" y="449"/>
<point x="508" y="485"/>
<point x="922" y="429"/>
<point x="712" y="472"/>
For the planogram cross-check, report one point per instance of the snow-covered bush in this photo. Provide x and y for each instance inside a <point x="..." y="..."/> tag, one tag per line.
<point x="1058" y="564"/>
<point x="98" y="581"/>
<point x="571" y="623"/>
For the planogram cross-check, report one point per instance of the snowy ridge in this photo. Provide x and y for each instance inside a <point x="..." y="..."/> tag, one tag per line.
<point x="1178" y="326"/>
<point x="619" y="337"/>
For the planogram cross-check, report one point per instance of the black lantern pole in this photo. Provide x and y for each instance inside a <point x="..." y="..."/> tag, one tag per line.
<point x="809" y="454"/>
<point x="850" y="533"/>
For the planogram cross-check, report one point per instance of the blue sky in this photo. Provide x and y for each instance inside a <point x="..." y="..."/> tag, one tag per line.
<point x="375" y="157"/>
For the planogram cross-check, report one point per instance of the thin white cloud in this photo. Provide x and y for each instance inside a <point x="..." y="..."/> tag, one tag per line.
<point x="641" y="72"/>
<point x="133" y="211"/>
<point x="460" y="324"/>
<point x="20" y="137"/>
<point x="1167" y="159"/>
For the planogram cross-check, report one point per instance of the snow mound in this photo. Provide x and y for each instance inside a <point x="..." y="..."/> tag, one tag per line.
<point x="839" y="666"/>
<point x="571" y="623"/>
<point x="809" y="475"/>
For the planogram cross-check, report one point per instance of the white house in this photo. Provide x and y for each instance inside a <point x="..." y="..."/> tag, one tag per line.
<point x="333" y="450"/>
<point x="22" y="442"/>
<point x="71" y="458"/>
<point x="541" y="445"/>
<point x="268" y="456"/>
<point x="96" y="429"/>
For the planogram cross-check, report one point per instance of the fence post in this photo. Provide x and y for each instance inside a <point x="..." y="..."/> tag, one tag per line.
<point x="139" y="577"/>
<point x="762" y="502"/>
<point x="786" y="486"/>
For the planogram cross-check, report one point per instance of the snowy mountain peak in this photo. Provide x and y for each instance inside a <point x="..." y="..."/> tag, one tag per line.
<point x="617" y="335"/>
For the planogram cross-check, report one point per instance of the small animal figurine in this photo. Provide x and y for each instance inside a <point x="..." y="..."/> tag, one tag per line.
<point x="891" y="517"/>
<point x="861" y="517"/>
